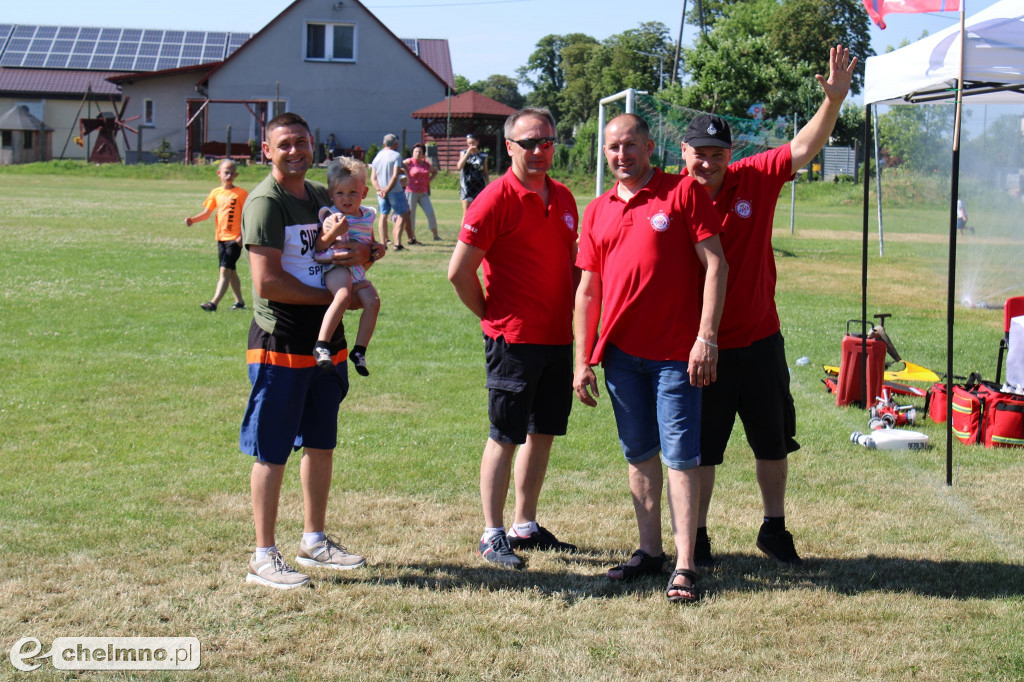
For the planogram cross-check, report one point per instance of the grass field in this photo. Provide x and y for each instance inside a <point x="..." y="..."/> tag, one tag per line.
<point x="124" y="502"/>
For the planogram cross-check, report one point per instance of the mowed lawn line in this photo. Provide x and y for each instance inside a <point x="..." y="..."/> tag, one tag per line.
<point x="127" y="511"/>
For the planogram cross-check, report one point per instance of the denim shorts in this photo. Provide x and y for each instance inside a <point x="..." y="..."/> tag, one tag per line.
<point x="656" y="409"/>
<point x="529" y="389"/>
<point x="393" y="203"/>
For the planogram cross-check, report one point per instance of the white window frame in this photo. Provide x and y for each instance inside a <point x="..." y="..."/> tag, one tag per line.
<point x="329" y="41"/>
<point x="148" y="112"/>
<point x="254" y="132"/>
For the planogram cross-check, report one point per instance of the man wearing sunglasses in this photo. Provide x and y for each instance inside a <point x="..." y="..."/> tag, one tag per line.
<point x="521" y="230"/>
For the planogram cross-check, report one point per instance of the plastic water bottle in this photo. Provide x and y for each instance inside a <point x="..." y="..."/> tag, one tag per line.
<point x="803" y="361"/>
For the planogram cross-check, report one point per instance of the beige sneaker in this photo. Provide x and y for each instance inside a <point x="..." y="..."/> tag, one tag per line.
<point x="274" y="572"/>
<point x="328" y="554"/>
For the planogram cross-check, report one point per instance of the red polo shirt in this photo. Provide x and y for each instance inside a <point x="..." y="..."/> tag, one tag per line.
<point x="528" y="268"/>
<point x="651" y="277"/>
<point x="746" y="205"/>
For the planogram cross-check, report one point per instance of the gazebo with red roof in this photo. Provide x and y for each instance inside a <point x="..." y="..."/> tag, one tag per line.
<point x="446" y="124"/>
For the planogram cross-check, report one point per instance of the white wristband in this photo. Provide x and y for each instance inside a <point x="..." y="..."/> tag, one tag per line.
<point x="707" y="343"/>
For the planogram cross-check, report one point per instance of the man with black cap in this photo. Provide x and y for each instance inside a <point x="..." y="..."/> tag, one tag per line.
<point x="753" y="377"/>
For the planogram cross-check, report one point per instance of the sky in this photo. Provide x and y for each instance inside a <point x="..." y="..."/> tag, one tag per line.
<point x="485" y="36"/>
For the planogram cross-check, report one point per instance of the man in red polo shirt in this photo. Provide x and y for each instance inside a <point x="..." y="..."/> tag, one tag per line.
<point x="522" y="230"/>
<point x="654" y="281"/>
<point x="753" y="377"/>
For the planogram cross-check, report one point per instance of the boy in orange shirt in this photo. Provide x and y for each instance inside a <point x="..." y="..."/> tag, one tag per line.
<point x="227" y="200"/>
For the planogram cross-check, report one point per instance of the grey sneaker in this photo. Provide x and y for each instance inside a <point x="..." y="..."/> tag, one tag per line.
<point x="497" y="551"/>
<point x="274" y="572"/>
<point x="328" y="554"/>
<point x="322" y="354"/>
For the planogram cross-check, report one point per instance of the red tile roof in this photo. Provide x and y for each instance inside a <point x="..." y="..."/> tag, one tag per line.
<point x="434" y="53"/>
<point x="57" y="82"/>
<point x="469" y="104"/>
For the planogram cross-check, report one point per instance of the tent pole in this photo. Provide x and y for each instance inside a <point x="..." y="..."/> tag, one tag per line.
<point x="868" y="400"/>
<point x="878" y="192"/>
<point x="954" y="191"/>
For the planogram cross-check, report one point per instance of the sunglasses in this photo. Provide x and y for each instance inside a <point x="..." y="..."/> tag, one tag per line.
<point x="530" y="145"/>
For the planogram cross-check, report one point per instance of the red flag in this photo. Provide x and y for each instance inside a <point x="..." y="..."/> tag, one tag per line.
<point x="879" y="8"/>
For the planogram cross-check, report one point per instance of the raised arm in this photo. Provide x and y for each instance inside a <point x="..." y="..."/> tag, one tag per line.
<point x="813" y="136"/>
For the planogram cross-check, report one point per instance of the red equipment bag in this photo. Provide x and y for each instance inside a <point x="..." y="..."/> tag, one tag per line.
<point x="851" y="368"/>
<point x="1004" y="420"/>
<point x="935" y="402"/>
<point x="968" y="415"/>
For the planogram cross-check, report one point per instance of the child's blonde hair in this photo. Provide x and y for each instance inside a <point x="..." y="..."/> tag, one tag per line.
<point x="345" y="167"/>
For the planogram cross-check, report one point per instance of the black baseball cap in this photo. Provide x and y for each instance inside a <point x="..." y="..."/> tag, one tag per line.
<point x="708" y="130"/>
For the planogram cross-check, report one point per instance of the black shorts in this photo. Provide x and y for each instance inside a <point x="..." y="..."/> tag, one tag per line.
<point x="228" y="253"/>
<point x="529" y="389"/>
<point x="754" y="383"/>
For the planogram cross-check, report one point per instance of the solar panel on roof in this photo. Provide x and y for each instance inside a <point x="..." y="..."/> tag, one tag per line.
<point x="112" y="48"/>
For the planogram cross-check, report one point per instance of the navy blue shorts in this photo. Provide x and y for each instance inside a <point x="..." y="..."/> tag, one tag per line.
<point x="293" y="403"/>
<point x="529" y="389"/>
<point x="754" y="383"/>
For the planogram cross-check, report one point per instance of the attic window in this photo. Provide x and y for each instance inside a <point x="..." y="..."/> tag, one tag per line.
<point x="330" y="42"/>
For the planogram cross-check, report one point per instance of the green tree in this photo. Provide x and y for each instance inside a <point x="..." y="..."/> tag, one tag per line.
<point x="502" y="89"/>
<point x="461" y="84"/>
<point x="544" y="73"/>
<point x="768" y="51"/>
<point x="849" y="130"/>
<point x="917" y="136"/>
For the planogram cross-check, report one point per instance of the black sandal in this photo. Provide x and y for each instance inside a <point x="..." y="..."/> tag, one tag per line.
<point x="649" y="565"/>
<point x="688" y="594"/>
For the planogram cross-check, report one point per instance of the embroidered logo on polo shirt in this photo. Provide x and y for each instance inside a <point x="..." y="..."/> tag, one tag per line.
<point x="569" y="222"/>
<point x="469" y="227"/>
<point x="743" y="208"/>
<point x="659" y="221"/>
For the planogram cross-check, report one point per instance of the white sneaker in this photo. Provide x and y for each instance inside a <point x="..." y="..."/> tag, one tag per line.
<point x="328" y="554"/>
<point x="273" y="571"/>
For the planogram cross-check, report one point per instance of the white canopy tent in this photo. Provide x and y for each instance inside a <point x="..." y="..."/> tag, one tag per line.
<point x="991" y="61"/>
<point x="927" y="71"/>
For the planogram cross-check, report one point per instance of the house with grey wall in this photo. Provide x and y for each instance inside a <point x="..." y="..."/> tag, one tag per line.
<point x="332" y="61"/>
